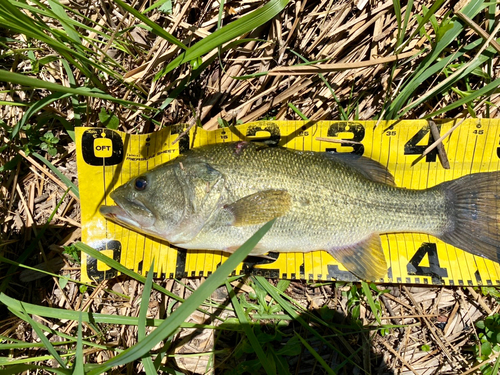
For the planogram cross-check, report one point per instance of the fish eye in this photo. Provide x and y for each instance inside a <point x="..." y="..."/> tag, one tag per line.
<point x="140" y="183"/>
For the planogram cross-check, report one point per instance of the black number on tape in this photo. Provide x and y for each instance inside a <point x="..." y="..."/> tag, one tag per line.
<point x="335" y="273"/>
<point x="434" y="270"/>
<point x="273" y="130"/>
<point x="479" y="279"/>
<point x="184" y="141"/>
<point x="180" y="264"/>
<point x="412" y="147"/>
<point x="358" y="134"/>
<point x="92" y="270"/>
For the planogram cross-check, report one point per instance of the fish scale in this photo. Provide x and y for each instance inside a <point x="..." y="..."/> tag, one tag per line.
<point x="338" y="194"/>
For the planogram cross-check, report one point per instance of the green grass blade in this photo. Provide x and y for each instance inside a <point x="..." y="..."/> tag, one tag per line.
<point x="78" y="368"/>
<point x="447" y="83"/>
<point x="35" y="107"/>
<point x="14" y="104"/>
<point x="58" y="173"/>
<point x="298" y="112"/>
<point x="125" y="271"/>
<point x="407" y="90"/>
<point x="223" y="35"/>
<point x="147" y="362"/>
<point x="121" y="268"/>
<point x="471" y="10"/>
<point x="27" y="252"/>
<point x="371" y="302"/>
<point x="159" y="3"/>
<point x="12" y="18"/>
<point x="274" y="293"/>
<point x="149" y="367"/>
<point x="17" y="264"/>
<point x="318" y="358"/>
<point x="155" y="28"/>
<point x="28" y="344"/>
<point x="103" y="31"/>
<point x="51" y="312"/>
<point x="408" y="13"/>
<point x="78" y="108"/>
<point x="69" y="338"/>
<point x="438" y="67"/>
<point x="432" y="10"/>
<point x="50" y="348"/>
<point x="486" y="90"/>
<point x="245" y="324"/>
<point x="397" y="12"/>
<point x="81" y="52"/>
<point x="23" y="80"/>
<point x="496" y="367"/>
<point x="40" y="359"/>
<point x="65" y="21"/>
<point x="186" y="309"/>
<point x="143" y="310"/>
<point x="25" y="369"/>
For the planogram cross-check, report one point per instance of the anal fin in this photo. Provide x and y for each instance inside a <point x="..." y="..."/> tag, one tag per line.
<point x="365" y="259"/>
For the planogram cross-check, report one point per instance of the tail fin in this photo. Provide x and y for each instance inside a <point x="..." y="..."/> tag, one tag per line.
<point x="475" y="214"/>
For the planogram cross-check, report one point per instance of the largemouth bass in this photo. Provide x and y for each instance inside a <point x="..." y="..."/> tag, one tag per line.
<point x="215" y="197"/>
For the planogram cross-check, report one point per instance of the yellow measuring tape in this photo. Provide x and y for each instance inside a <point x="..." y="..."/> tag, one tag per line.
<point x="107" y="159"/>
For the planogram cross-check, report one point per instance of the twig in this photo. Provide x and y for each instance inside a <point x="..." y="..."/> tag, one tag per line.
<point x="448" y="326"/>
<point x="478" y="29"/>
<point x="195" y="120"/>
<point x="479" y="300"/>
<point x="399" y="317"/>
<point x="45" y="171"/>
<point x="443" y="158"/>
<point x="491" y="359"/>
<point x="325" y="68"/>
<point x="403" y="361"/>
<point x="452" y="359"/>
<point x="26" y="208"/>
<point x="331" y="140"/>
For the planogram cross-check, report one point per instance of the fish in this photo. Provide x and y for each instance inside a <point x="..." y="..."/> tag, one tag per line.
<point x="215" y="197"/>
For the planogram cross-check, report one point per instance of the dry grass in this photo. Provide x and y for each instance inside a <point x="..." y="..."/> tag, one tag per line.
<point x="355" y="44"/>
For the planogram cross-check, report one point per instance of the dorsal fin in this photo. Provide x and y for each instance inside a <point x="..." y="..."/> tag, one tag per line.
<point x="369" y="168"/>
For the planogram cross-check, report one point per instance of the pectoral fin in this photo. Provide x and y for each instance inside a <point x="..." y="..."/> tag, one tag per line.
<point x="365" y="259"/>
<point x="259" y="208"/>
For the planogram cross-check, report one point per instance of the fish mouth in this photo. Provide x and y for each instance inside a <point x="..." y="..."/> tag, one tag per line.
<point x="135" y="215"/>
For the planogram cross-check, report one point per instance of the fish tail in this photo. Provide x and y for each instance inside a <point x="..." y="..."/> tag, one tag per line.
<point x="473" y="206"/>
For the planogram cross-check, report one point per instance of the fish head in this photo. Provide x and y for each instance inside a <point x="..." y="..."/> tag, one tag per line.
<point x="171" y="202"/>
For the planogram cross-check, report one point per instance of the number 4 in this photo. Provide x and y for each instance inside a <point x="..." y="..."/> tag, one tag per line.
<point x="412" y="147"/>
<point x="434" y="270"/>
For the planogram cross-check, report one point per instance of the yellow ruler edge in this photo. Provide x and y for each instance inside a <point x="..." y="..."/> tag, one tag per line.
<point x="107" y="158"/>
